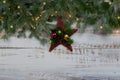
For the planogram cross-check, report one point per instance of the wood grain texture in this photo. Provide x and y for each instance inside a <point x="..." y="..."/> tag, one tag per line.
<point x="88" y="61"/>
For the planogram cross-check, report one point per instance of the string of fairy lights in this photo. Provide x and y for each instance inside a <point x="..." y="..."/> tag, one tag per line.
<point x="35" y="18"/>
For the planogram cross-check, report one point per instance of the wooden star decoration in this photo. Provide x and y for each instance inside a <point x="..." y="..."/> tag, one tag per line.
<point x="63" y="37"/>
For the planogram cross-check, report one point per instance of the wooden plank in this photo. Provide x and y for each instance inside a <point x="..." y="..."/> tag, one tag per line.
<point x="24" y="59"/>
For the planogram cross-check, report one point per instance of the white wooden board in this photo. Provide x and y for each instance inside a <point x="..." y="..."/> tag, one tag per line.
<point x="85" y="62"/>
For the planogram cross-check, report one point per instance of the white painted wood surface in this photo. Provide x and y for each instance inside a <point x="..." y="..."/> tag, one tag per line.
<point x="93" y="58"/>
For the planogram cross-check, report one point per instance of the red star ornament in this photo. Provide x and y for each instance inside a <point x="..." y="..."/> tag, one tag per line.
<point x="61" y="41"/>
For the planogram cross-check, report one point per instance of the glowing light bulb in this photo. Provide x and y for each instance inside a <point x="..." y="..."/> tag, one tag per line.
<point x="117" y="31"/>
<point x="59" y="31"/>
<point x="37" y="18"/>
<point x="11" y="26"/>
<point x="77" y="19"/>
<point x="118" y="17"/>
<point x="44" y="3"/>
<point x="51" y="15"/>
<point x="110" y="3"/>
<point x="34" y="27"/>
<point x="18" y="6"/>
<point x="4" y="1"/>
<point x="40" y="15"/>
<point x="101" y="27"/>
<point x="69" y="16"/>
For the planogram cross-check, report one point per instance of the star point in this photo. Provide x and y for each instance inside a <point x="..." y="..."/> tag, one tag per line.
<point x="63" y="38"/>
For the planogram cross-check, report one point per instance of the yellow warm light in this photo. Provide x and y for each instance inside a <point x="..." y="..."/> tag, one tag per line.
<point x="40" y="15"/>
<point x="101" y="27"/>
<point x="66" y="36"/>
<point x="117" y="31"/>
<point x="118" y="17"/>
<point x="59" y="32"/>
<point x="18" y="7"/>
<point x="77" y="19"/>
<point x="11" y="26"/>
<point x="4" y="1"/>
<point x="110" y="3"/>
<point x="44" y="3"/>
<point x="69" y="16"/>
<point x="37" y="18"/>
<point x="34" y="27"/>
<point x="52" y="15"/>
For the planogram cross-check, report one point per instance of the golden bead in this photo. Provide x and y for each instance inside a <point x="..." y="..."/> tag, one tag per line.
<point x="66" y="36"/>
